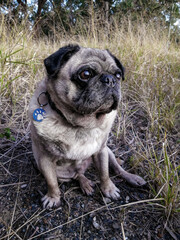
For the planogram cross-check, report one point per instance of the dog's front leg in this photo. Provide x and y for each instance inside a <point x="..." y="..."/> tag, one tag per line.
<point x="52" y="198"/>
<point x="101" y="161"/>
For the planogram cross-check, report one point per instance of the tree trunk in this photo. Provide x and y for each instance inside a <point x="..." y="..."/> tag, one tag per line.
<point x="106" y="8"/>
<point x="37" y="23"/>
<point x="106" y="16"/>
<point x="92" y="20"/>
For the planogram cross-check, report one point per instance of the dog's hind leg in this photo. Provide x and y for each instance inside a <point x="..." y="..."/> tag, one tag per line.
<point x="85" y="184"/>
<point x="133" y="179"/>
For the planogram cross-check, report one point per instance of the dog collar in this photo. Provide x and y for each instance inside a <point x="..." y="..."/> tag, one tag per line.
<point x="53" y="106"/>
<point x="39" y="114"/>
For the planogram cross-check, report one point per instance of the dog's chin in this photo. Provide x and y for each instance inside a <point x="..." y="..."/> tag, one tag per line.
<point x="105" y="110"/>
<point x="100" y="109"/>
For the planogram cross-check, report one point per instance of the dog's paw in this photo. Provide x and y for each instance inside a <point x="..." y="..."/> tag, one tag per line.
<point x="86" y="186"/>
<point x="50" y="202"/>
<point x="110" y="190"/>
<point x="135" y="180"/>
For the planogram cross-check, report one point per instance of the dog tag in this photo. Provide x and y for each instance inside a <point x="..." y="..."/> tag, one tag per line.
<point x="39" y="114"/>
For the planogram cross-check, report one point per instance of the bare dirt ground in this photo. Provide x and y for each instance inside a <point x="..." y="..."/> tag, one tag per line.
<point x="132" y="217"/>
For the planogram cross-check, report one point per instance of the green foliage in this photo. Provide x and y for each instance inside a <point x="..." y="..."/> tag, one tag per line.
<point x="64" y="15"/>
<point x="5" y="78"/>
<point x="6" y="133"/>
<point x="166" y="178"/>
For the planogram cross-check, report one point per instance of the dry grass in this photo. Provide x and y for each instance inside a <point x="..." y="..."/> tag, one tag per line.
<point x="148" y="116"/>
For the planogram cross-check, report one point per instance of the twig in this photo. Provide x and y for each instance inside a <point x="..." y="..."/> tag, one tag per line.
<point x="123" y="233"/>
<point x="170" y="232"/>
<point x="36" y="230"/>
<point x="1" y="220"/>
<point x="5" y="169"/>
<point x="139" y="202"/>
<point x="66" y="223"/>
<point x="96" y="210"/>
<point x="15" y="145"/>
<point x="29" y="220"/>
<point x="80" y="234"/>
<point x="11" y="184"/>
<point x="10" y="229"/>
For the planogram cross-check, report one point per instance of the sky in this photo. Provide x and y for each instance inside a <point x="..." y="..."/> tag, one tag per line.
<point x="177" y="23"/>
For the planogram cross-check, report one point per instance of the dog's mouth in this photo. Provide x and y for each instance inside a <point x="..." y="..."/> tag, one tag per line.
<point x="104" y="110"/>
<point x="87" y="106"/>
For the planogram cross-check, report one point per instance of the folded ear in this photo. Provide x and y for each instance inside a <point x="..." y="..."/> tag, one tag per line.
<point x="118" y="63"/>
<point x="55" y="61"/>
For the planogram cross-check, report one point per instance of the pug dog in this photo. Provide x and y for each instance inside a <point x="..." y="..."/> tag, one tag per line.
<point x="71" y="113"/>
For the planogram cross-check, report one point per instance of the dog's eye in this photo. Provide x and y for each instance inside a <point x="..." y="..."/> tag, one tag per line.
<point x="118" y="75"/>
<point x="85" y="75"/>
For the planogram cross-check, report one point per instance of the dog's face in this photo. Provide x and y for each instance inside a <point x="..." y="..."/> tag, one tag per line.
<point x="84" y="80"/>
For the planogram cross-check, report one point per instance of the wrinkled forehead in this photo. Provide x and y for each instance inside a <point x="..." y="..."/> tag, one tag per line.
<point x="98" y="59"/>
<point x="89" y="53"/>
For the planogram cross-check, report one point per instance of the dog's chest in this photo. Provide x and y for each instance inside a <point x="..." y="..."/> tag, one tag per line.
<point x="86" y="143"/>
<point x="74" y="143"/>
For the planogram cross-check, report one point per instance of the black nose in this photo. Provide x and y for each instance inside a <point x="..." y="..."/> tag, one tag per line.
<point x="109" y="80"/>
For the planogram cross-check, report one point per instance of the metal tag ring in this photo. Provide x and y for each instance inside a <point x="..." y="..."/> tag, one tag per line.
<point x="38" y="99"/>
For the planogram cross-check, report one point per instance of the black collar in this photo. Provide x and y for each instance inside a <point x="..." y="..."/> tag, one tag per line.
<point x="53" y="106"/>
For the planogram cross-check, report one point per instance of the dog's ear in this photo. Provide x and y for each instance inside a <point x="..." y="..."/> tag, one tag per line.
<point x="55" y="61"/>
<point x="118" y="63"/>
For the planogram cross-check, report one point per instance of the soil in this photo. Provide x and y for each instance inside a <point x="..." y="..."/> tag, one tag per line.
<point x="132" y="217"/>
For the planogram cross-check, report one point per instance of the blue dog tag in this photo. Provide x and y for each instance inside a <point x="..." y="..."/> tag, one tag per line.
<point x="39" y="114"/>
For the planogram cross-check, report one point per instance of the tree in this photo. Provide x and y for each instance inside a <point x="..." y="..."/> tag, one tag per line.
<point x="87" y="15"/>
<point x="37" y="23"/>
